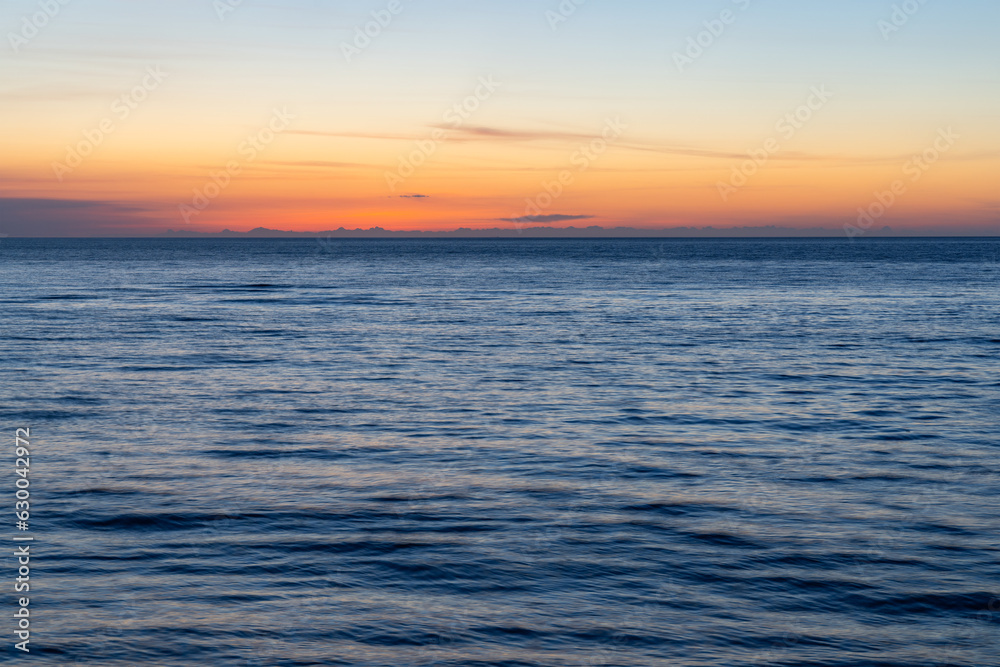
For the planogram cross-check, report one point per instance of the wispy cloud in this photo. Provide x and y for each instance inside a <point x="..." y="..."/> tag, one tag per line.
<point x="547" y="218"/>
<point x="472" y="133"/>
<point x="353" y="135"/>
<point x="31" y="217"/>
<point x="554" y="137"/>
<point x="315" y="164"/>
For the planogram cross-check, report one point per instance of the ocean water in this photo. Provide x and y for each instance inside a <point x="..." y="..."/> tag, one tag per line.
<point x="506" y="453"/>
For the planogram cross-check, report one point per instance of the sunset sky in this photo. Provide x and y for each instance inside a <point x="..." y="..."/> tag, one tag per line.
<point x="138" y="116"/>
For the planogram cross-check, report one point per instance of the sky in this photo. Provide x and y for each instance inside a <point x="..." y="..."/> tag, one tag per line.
<point x="131" y="117"/>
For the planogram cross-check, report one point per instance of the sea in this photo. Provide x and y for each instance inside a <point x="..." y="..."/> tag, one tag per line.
<point x="503" y="453"/>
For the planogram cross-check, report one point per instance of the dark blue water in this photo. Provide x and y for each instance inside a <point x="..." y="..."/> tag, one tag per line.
<point x="471" y="453"/>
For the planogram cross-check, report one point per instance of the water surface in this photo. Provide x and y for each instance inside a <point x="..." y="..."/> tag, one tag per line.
<point x="508" y="453"/>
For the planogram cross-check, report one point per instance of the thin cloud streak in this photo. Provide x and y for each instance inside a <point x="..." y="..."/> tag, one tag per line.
<point x="496" y="134"/>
